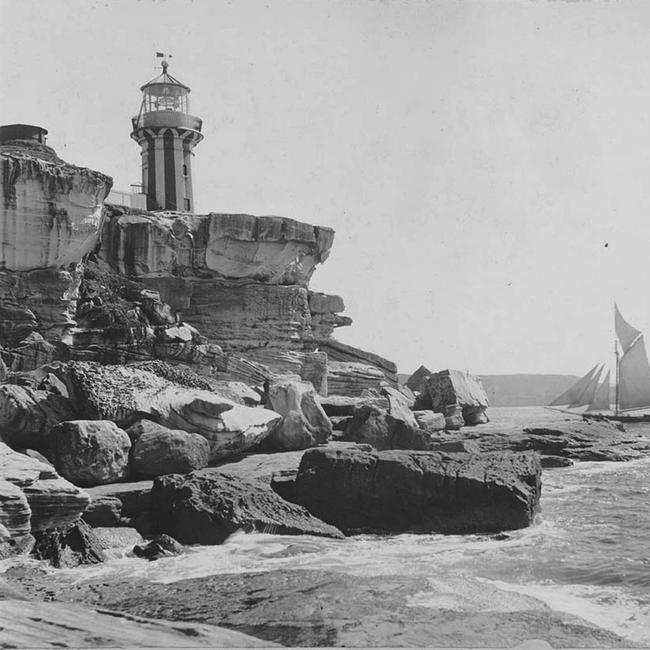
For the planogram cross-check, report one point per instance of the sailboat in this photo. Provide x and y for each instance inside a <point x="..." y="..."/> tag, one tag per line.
<point x="632" y="388"/>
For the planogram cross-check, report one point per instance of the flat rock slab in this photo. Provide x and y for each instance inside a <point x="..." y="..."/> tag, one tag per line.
<point x="570" y="437"/>
<point x="57" y="625"/>
<point x="327" y="608"/>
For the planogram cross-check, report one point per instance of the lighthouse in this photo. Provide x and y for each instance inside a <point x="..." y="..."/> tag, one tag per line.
<point x="167" y="134"/>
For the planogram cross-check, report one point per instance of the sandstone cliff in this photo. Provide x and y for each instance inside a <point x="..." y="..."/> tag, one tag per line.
<point x="226" y="293"/>
<point x="49" y="220"/>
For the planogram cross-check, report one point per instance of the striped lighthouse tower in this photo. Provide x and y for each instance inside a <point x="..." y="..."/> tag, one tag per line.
<point x="167" y="135"/>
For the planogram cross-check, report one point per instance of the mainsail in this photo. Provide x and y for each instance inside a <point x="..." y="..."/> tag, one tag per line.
<point x="625" y="332"/>
<point x="576" y="392"/>
<point x="634" y="377"/>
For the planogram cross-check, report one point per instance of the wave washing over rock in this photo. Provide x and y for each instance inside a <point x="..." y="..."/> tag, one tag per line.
<point x="172" y="374"/>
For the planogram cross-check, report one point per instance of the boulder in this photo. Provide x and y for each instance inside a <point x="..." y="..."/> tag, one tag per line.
<point x="69" y="546"/>
<point x="205" y="508"/>
<point x="33" y="497"/>
<point x="90" y="452"/>
<point x="454" y="387"/>
<point x="125" y="394"/>
<point x="166" y="451"/>
<point x="412" y="491"/>
<point x="399" y="406"/>
<point x="304" y="422"/>
<point x="376" y="427"/>
<point x="416" y="382"/>
<point x="430" y="421"/>
<point x="27" y="415"/>
<point x="160" y="546"/>
<point x="103" y="512"/>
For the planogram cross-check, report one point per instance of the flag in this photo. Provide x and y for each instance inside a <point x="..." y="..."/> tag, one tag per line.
<point x="159" y="54"/>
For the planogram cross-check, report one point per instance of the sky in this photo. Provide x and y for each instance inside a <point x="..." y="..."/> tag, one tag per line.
<point x="485" y="164"/>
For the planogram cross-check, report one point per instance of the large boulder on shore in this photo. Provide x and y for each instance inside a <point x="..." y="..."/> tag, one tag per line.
<point x="416" y="382"/>
<point x="304" y="422"/>
<point x="90" y="452"/>
<point x="125" y="394"/>
<point x="33" y="498"/>
<point x="425" y="492"/>
<point x="205" y="508"/>
<point x="27" y="415"/>
<point x="379" y="428"/>
<point x="447" y="387"/>
<point x="160" y="450"/>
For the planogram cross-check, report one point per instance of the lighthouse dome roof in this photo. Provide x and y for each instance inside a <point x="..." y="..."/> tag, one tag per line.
<point x="165" y="79"/>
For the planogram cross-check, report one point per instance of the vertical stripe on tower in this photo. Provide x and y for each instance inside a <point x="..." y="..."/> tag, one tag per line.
<point x="150" y="181"/>
<point x="160" y="172"/>
<point x="170" y="173"/>
<point x="178" y="167"/>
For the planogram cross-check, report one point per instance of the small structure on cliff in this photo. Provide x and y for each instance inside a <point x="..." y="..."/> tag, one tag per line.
<point x="167" y="134"/>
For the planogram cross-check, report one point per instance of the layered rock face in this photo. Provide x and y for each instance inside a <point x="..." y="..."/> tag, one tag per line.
<point x="241" y="280"/>
<point x="34" y="498"/>
<point x="227" y="293"/>
<point x="49" y="219"/>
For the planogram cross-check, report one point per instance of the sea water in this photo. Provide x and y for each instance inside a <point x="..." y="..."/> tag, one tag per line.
<point x="588" y="554"/>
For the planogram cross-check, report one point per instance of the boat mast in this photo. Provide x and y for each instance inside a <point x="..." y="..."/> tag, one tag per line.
<point x="616" y="398"/>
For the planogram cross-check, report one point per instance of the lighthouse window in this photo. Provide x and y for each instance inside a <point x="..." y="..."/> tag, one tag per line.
<point x="185" y="171"/>
<point x="187" y="205"/>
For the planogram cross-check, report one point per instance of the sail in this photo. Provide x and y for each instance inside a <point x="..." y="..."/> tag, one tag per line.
<point x="574" y="392"/>
<point x="587" y="394"/>
<point x="634" y="377"/>
<point x="600" y="402"/>
<point x="625" y="332"/>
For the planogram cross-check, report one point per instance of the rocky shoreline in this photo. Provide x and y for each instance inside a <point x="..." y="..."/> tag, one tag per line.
<point x="169" y="379"/>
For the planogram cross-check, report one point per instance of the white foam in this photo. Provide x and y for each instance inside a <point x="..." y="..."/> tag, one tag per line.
<point x="606" y="607"/>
